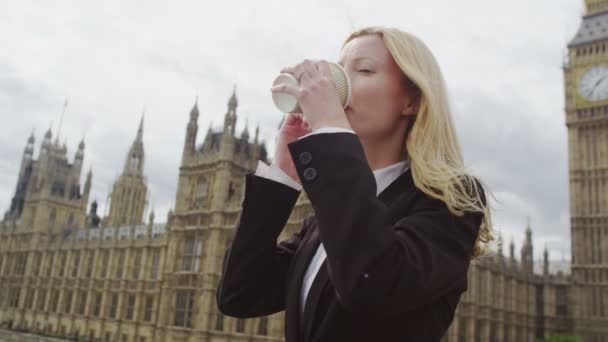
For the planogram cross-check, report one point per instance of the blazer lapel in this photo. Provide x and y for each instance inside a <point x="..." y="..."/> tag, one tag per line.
<point x="312" y="301"/>
<point x="397" y="187"/>
<point x="302" y="322"/>
<point x="293" y="315"/>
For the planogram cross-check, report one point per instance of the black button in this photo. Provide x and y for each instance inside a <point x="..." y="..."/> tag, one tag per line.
<point x="310" y="174"/>
<point x="305" y="158"/>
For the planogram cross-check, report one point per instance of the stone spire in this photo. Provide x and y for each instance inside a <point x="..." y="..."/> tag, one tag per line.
<point x="512" y="260"/>
<point x="546" y="262"/>
<point x="88" y="183"/>
<point x="527" y="255"/>
<point x="79" y="156"/>
<point x="25" y="171"/>
<point x="134" y="163"/>
<point x="191" y="132"/>
<point x="501" y="256"/>
<point x="140" y="130"/>
<point x="245" y="133"/>
<point x="233" y="102"/>
<point x="230" y="117"/>
<point x="46" y="141"/>
<point x="128" y="197"/>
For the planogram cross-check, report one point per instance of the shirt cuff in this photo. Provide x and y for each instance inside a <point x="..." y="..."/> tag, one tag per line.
<point x="328" y="130"/>
<point x="273" y="172"/>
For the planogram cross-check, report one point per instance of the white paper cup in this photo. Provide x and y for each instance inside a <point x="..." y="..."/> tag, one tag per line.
<point x="289" y="104"/>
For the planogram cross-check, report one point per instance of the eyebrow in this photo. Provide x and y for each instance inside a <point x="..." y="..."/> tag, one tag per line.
<point x="358" y="59"/>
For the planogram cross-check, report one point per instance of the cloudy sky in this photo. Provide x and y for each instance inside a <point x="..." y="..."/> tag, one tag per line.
<point x="113" y="59"/>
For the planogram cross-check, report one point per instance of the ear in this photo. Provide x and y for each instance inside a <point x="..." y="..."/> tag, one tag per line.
<point x="412" y="104"/>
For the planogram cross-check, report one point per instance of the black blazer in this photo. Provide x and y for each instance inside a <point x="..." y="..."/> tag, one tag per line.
<point x="396" y="263"/>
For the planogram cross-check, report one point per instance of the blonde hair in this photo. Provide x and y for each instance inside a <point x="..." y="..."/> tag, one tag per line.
<point x="432" y="146"/>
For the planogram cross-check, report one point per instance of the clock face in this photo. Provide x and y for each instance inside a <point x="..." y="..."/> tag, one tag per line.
<point x="594" y="84"/>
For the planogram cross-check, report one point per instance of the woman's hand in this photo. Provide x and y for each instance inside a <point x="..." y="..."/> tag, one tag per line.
<point x="293" y="128"/>
<point x="316" y="95"/>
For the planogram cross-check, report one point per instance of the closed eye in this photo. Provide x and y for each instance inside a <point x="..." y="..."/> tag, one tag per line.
<point x="364" y="70"/>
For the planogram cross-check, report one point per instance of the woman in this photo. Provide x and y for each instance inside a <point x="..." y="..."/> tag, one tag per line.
<point x="396" y="217"/>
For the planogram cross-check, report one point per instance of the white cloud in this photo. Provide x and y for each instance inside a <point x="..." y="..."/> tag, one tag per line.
<point x="113" y="58"/>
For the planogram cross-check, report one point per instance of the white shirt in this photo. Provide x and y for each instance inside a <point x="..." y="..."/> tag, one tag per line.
<point x="384" y="177"/>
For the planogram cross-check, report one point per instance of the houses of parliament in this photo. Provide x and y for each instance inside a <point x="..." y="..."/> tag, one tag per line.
<point x="67" y="272"/>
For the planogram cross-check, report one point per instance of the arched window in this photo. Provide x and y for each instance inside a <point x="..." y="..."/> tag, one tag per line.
<point x="240" y="325"/>
<point x="200" y="193"/>
<point x="71" y="220"/>
<point x="219" y="322"/>
<point x="263" y="326"/>
<point x="52" y="218"/>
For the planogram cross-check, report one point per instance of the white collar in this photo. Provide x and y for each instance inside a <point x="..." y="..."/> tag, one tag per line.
<point x="386" y="175"/>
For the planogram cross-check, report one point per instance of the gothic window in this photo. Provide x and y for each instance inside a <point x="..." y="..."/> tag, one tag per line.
<point x="97" y="304"/>
<point x="82" y="301"/>
<point x="71" y="220"/>
<point x="36" y="264"/>
<point x="76" y="264"/>
<point x="149" y="308"/>
<point x="49" y="269"/>
<point x="67" y="301"/>
<point x="54" y="300"/>
<point x="62" y="261"/>
<point x="493" y="330"/>
<point x="113" y="307"/>
<point x="90" y="262"/>
<point x="32" y="216"/>
<point x="52" y="218"/>
<point x="507" y="333"/>
<point x="219" y="321"/>
<point x="16" y="263"/>
<point x="200" y="192"/>
<point x="561" y="301"/>
<point x="155" y="264"/>
<point x="240" y="325"/>
<point x="184" y="303"/>
<point x="134" y="162"/>
<point x="137" y="264"/>
<point x="263" y="326"/>
<point x="130" y="307"/>
<point x="13" y="296"/>
<point x="191" y="253"/>
<point x="230" y="191"/>
<point x="478" y="330"/>
<point x="29" y="299"/>
<point x="120" y="263"/>
<point x="105" y="263"/>
<point x="41" y="299"/>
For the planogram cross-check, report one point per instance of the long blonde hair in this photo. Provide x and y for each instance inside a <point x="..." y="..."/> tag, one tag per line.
<point x="432" y="146"/>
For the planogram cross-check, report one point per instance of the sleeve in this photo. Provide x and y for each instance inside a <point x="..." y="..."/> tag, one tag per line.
<point x="255" y="267"/>
<point x="275" y="173"/>
<point x="328" y="129"/>
<point x="381" y="263"/>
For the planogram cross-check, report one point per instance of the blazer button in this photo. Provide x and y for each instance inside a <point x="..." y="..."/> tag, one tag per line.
<point x="305" y="158"/>
<point x="310" y="174"/>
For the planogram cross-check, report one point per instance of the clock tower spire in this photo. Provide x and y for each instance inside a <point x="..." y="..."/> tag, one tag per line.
<point x="586" y="83"/>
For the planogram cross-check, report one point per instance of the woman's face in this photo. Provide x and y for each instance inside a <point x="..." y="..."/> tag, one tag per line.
<point x="380" y="103"/>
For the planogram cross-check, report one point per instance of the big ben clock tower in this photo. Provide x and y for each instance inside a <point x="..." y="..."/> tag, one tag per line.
<point x="586" y="81"/>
